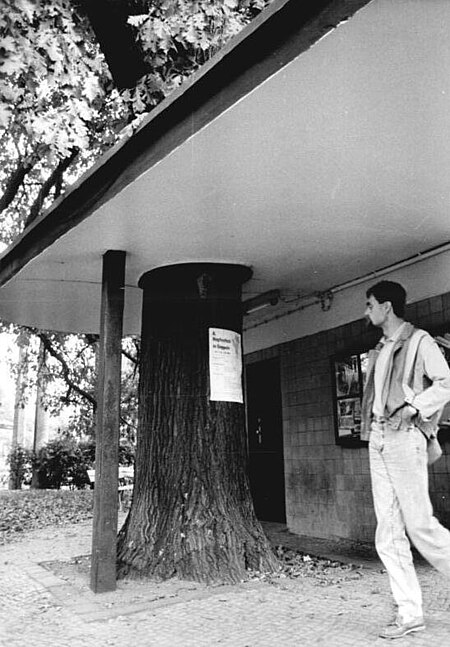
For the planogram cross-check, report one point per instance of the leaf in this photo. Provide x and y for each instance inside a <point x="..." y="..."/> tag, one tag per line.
<point x="137" y="21"/>
<point x="5" y="116"/>
<point x="138" y="103"/>
<point x="10" y="65"/>
<point x="92" y="87"/>
<point x="32" y="509"/>
<point x="191" y="35"/>
<point x="27" y="7"/>
<point x="8" y="43"/>
<point x="53" y="51"/>
<point x="84" y="112"/>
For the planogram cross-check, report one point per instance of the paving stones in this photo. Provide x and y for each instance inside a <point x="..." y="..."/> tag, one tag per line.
<point x="307" y="604"/>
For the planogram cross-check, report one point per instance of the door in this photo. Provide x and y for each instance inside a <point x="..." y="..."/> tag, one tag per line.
<point x="265" y="440"/>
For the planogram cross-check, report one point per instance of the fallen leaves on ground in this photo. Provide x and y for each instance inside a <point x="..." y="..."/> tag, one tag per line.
<point x="295" y="564"/>
<point x="22" y="510"/>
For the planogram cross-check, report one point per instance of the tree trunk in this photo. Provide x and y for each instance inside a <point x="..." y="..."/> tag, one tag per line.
<point x="18" y="431"/>
<point x="41" y="427"/>
<point x="192" y="514"/>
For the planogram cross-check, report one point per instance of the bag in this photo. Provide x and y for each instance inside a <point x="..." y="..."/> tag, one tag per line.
<point x="434" y="450"/>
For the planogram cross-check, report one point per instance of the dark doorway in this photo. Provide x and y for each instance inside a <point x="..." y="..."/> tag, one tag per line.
<point x="265" y="440"/>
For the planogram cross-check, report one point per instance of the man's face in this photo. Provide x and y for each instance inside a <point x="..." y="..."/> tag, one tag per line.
<point x="376" y="312"/>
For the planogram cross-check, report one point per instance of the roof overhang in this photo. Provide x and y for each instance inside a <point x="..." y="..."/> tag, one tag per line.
<point x="314" y="160"/>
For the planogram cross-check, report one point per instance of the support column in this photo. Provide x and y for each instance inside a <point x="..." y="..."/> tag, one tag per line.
<point x="192" y="514"/>
<point x="104" y="532"/>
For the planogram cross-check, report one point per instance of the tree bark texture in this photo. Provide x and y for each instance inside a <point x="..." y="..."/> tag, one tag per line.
<point x="105" y="522"/>
<point x="192" y="514"/>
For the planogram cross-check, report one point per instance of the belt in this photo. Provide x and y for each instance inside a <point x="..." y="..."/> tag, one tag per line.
<point x="395" y="421"/>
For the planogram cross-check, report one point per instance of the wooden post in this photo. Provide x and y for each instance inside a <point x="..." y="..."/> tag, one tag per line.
<point x="104" y="532"/>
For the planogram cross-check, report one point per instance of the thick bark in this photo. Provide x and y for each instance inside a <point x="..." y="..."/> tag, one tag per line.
<point x="192" y="514"/>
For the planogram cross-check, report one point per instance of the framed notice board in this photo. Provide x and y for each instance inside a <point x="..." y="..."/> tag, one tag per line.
<point x="349" y="377"/>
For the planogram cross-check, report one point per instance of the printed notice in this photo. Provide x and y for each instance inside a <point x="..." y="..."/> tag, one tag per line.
<point x="225" y="365"/>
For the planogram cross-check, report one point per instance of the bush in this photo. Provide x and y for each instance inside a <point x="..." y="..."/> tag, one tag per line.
<point x="20" y="466"/>
<point x="126" y="454"/>
<point x="84" y="460"/>
<point x="63" y="461"/>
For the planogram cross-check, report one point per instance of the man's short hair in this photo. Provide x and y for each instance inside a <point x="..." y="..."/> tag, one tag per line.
<point x="390" y="291"/>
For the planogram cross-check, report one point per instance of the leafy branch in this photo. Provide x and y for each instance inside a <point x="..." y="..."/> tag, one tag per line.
<point x="53" y="181"/>
<point x="15" y="181"/>
<point x="66" y="372"/>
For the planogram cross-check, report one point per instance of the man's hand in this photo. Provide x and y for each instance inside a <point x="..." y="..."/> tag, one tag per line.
<point x="409" y="412"/>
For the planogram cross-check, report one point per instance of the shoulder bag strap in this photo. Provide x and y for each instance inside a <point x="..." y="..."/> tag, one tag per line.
<point x="411" y="353"/>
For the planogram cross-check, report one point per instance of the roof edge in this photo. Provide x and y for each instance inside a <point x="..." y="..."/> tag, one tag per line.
<point x="276" y="37"/>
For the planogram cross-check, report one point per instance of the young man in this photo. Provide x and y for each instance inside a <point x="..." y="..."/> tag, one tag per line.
<point x="407" y="385"/>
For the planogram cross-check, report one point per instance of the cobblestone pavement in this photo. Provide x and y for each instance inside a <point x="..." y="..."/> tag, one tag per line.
<point x="39" y="607"/>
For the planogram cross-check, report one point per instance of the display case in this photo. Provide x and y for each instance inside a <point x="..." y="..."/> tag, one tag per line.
<point x="349" y="378"/>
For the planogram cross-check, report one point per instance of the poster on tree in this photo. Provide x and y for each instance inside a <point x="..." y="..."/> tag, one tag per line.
<point x="225" y="365"/>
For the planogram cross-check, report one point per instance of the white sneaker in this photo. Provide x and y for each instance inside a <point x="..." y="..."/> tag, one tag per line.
<point x="400" y="628"/>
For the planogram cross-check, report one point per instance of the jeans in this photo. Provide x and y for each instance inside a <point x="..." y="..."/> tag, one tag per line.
<point x="399" y="472"/>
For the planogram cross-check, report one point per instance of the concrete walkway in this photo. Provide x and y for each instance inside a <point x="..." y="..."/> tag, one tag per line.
<point x="45" y="600"/>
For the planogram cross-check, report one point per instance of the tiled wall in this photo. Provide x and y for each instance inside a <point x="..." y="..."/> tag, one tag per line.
<point x="328" y="486"/>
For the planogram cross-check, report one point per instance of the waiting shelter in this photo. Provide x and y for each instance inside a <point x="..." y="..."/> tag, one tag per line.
<point x="307" y="159"/>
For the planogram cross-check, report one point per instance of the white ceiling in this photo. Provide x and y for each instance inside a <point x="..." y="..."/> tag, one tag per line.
<point x="336" y="166"/>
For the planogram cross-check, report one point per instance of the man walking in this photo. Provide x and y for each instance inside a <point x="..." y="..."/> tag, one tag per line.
<point x="407" y="385"/>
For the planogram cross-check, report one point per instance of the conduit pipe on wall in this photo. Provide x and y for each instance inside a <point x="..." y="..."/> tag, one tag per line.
<point x="309" y="300"/>
<point x="417" y="258"/>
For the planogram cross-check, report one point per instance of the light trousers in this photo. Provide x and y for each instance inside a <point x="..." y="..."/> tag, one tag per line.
<point x="399" y="473"/>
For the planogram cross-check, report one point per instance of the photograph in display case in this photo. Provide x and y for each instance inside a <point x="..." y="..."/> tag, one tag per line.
<point x="349" y="377"/>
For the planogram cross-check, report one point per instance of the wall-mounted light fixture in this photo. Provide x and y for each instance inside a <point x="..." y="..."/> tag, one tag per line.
<point x="262" y="300"/>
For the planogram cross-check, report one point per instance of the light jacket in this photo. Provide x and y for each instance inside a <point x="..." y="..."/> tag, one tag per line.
<point x="428" y="382"/>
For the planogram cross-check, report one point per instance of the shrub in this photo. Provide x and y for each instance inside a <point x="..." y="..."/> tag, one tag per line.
<point x="62" y="461"/>
<point x="126" y="453"/>
<point x="50" y="464"/>
<point x="83" y="460"/>
<point x="20" y="466"/>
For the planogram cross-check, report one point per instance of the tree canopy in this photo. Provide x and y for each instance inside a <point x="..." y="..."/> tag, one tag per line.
<point x="60" y="110"/>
